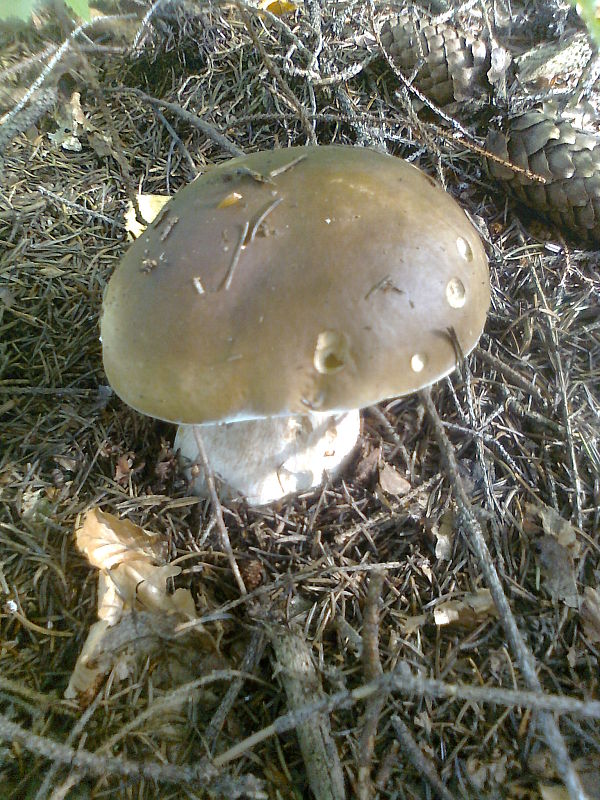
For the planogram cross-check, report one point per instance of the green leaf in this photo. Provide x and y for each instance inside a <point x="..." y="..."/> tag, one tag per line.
<point x="17" y="9"/>
<point x="80" y="7"/>
<point x="589" y="11"/>
<point x="21" y="9"/>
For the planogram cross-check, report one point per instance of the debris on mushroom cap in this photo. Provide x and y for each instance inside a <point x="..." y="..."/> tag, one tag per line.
<point x="317" y="278"/>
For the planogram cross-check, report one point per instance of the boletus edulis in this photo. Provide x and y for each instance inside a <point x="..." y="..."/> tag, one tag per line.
<point x="279" y="293"/>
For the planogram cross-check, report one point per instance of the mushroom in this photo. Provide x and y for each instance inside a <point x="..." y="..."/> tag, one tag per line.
<point x="279" y="293"/>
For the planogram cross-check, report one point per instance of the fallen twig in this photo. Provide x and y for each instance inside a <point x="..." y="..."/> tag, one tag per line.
<point x="471" y="528"/>
<point x="301" y="682"/>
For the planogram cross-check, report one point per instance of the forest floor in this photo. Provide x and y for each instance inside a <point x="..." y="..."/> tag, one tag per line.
<point x="385" y="575"/>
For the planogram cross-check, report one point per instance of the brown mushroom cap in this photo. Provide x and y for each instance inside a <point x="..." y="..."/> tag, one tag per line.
<point x="322" y="278"/>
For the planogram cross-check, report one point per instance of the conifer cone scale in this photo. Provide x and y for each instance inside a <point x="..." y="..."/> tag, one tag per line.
<point x="451" y="66"/>
<point x="568" y="159"/>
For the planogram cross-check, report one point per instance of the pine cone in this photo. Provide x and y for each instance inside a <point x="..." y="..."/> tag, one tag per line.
<point x="451" y="66"/>
<point x="569" y="159"/>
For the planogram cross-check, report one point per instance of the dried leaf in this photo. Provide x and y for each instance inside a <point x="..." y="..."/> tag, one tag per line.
<point x="392" y="482"/>
<point x="366" y="463"/>
<point x="487" y="773"/>
<point x="277" y="7"/>
<point x="133" y="577"/>
<point x="412" y="624"/>
<point x="556" y="526"/>
<point x="7" y="296"/>
<point x="444" y="533"/>
<point x="51" y="271"/>
<point x="71" y="124"/>
<point x="150" y="206"/>
<point x="589" y="613"/>
<point x="588" y="770"/>
<point x="100" y="143"/>
<point x="123" y="468"/>
<point x="87" y="676"/>
<point x="108" y="541"/>
<point x="557" y="568"/>
<point x="469" y="611"/>
<point x="553" y="791"/>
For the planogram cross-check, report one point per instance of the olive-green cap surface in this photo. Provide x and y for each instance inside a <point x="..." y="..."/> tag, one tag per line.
<point x="323" y="278"/>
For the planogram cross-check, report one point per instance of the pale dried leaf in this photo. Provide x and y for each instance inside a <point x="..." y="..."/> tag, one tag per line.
<point x="412" y="624"/>
<point x="487" y="773"/>
<point x="77" y="115"/>
<point x="392" y="482"/>
<point x="100" y="143"/>
<point x="131" y="580"/>
<point x="469" y="611"/>
<point x="182" y="603"/>
<point x="144" y="586"/>
<point x="7" y="296"/>
<point x="150" y="206"/>
<point x="556" y="526"/>
<point x="51" y="271"/>
<point x="444" y="533"/>
<point x="554" y="791"/>
<point x="423" y="720"/>
<point x="557" y="568"/>
<point x="86" y="675"/>
<point x="110" y="602"/>
<point x="277" y="7"/>
<point x="107" y="541"/>
<point x="589" y="614"/>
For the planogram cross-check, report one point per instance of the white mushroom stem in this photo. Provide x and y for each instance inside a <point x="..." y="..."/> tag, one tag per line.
<point x="264" y="460"/>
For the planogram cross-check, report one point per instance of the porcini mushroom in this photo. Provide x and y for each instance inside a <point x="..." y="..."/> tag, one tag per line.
<point x="282" y="291"/>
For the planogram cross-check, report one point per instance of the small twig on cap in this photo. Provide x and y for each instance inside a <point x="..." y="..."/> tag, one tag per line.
<point x="284" y="167"/>
<point x="235" y="257"/>
<point x="218" y="511"/>
<point x="262" y="217"/>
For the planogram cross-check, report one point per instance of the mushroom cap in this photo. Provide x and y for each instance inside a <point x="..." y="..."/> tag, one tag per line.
<point x="315" y="278"/>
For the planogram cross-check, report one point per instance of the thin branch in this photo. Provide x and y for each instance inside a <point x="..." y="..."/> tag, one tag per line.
<point x="275" y="72"/>
<point x="372" y="669"/>
<point x="218" y="511"/>
<point x="251" y="659"/>
<point x="302" y="682"/>
<point x="203" y="775"/>
<point x="423" y="764"/>
<point x="469" y="524"/>
<point x="403" y="682"/>
<point x="187" y="116"/>
<point x="56" y="58"/>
